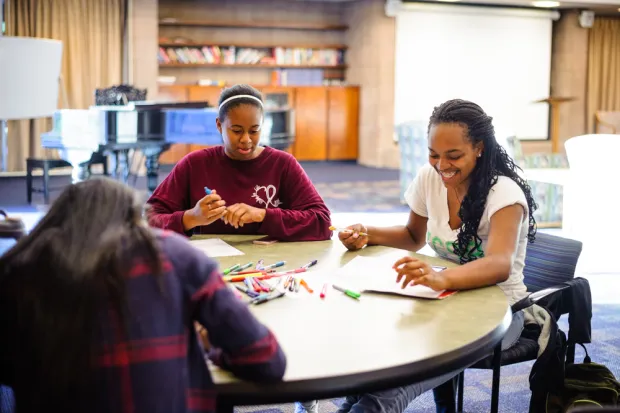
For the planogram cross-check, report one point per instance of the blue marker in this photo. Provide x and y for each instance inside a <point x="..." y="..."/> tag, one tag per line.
<point x="207" y="190"/>
<point x="276" y="265"/>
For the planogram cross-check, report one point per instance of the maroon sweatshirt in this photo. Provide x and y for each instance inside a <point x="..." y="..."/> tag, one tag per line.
<point x="274" y="180"/>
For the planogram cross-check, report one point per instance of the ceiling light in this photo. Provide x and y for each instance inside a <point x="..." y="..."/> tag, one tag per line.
<point x="449" y="1"/>
<point x="545" y="3"/>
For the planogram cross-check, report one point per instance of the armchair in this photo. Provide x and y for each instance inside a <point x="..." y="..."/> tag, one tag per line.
<point x="549" y="197"/>
<point x="412" y="139"/>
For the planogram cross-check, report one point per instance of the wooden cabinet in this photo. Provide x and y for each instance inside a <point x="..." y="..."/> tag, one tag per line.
<point x="310" y="124"/>
<point x="342" y="123"/>
<point x="326" y="118"/>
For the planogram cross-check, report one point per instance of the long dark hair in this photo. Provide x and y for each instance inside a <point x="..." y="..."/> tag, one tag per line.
<point x="493" y="163"/>
<point x="56" y="282"/>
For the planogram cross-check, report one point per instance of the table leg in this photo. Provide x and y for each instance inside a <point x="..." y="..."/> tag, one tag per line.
<point x="497" y="357"/>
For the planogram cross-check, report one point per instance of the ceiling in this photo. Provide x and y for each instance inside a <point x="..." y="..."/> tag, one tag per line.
<point x="601" y="7"/>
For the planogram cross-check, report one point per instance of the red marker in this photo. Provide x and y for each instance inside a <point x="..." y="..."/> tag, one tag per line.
<point x="324" y="290"/>
<point x="295" y="271"/>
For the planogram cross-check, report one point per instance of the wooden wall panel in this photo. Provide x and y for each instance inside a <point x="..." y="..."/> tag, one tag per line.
<point x="342" y="123"/>
<point x="310" y="124"/>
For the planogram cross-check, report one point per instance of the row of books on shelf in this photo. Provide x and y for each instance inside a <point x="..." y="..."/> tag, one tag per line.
<point x="244" y="55"/>
<point x="297" y="77"/>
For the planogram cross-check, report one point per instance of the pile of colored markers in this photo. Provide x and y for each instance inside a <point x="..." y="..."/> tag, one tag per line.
<point x="254" y="284"/>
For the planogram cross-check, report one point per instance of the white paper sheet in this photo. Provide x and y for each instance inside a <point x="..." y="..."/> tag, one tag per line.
<point x="215" y="247"/>
<point x="376" y="274"/>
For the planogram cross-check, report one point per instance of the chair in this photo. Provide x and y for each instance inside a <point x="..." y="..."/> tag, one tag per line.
<point x="549" y="197"/>
<point x="550" y="261"/>
<point x="607" y="122"/>
<point x="412" y="140"/>
<point x="46" y="165"/>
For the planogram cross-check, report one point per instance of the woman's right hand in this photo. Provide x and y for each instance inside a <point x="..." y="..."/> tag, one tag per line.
<point x="354" y="240"/>
<point x="206" y="211"/>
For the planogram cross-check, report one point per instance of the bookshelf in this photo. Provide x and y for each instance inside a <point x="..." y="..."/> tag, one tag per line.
<point x="185" y="44"/>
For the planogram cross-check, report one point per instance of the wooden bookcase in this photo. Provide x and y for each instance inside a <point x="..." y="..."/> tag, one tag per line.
<point x="190" y="49"/>
<point x="326" y="118"/>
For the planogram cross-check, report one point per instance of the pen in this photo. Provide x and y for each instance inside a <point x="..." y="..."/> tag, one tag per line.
<point x="207" y="191"/>
<point x="347" y="230"/>
<point x="310" y="264"/>
<point x="276" y="265"/>
<point x="230" y="269"/>
<point x="350" y="293"/>
<point x="291" y="287"/>
<point x="324" y="290"/>
<point x="261" y="299"/>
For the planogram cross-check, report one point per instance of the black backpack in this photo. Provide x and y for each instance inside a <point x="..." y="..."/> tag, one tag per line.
<point x="585" y="385"/>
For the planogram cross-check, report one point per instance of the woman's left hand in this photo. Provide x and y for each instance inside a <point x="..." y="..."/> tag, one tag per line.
<point x="414" y="271"/>
<point x="239" y="214"/>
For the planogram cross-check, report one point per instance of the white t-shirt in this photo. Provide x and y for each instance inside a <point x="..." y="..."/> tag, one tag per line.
<point x="428" y="197"/>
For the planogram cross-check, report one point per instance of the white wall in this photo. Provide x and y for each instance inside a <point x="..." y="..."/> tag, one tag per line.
<point x="499" y="58"/>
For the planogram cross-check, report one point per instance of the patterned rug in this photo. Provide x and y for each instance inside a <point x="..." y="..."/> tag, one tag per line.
<point x="362" y="196"/>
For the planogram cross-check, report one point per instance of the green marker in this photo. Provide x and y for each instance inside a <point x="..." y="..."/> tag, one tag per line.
<point x="243" y="267"/>
<point x="350" y="293"/>
<point x="234" y="267"/>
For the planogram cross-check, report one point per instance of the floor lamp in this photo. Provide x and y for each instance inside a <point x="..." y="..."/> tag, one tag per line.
<point x="29" y="78"/>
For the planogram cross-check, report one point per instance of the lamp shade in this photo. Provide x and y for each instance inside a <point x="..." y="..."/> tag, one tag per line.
<point x="29" y="74"/>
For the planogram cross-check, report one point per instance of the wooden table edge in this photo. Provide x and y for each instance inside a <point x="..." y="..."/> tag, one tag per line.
<point x="249" y="393"/>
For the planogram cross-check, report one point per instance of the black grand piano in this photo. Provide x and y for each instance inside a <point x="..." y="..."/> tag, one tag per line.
<point x="114" y="132"/>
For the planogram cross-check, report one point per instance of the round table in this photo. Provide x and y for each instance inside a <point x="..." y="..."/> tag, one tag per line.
<point x="338" y="345"/>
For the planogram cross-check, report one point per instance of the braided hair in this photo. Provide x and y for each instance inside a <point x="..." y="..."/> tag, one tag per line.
<point x="494" y="162"/>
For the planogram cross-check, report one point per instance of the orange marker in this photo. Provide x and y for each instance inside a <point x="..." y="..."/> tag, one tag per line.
<point x="306" y="286"/>
<point x="324" y="290"/>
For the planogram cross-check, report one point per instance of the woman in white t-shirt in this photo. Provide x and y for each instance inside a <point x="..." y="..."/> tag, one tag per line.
<point x="470" y="205"/>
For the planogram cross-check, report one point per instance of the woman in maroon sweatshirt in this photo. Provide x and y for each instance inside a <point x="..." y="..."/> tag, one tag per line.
<point x="254" y="189"/>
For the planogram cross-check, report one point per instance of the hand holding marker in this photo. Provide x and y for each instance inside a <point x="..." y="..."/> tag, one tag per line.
<point x="348" y="231"/>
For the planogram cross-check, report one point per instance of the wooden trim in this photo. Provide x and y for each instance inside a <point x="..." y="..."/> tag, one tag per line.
<point x="253" y="45"/>
<point x="253" y="25"/>
<point x="250" y="65"/>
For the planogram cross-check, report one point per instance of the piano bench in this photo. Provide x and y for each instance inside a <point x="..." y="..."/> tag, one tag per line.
<point x="46" y="165"/>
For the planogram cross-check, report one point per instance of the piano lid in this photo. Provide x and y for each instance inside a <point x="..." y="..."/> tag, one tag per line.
<point x="152" y="106"/>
